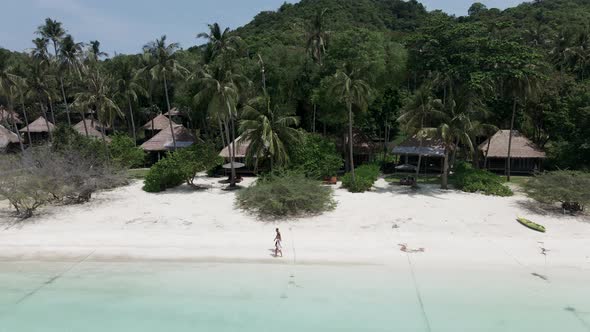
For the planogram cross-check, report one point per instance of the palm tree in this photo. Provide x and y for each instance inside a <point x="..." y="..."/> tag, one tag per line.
<point x="578" y="55"/>
<point x="164" y="66"/>
<point x="94" y="53"/>
<point x="128" y="88"/>
<point x="52" y="30"/>
<point x="415" y="114"/>
<point x="317" y="37"/>
<point x="22" y="88"/>
<point x="220" y="43"/>
<point x="220" y="91"/>
<point x="351" y="91"/>
<point x="39" y="52"/>
<point x="8" y="86"/>
<point x="520" y="85"/>
<point x="453" y="130"/>
<point x="39" y="88"/>
<point x="99" y="96"/>
<point x="68" y="59"/>
<point x="269" y="131"/>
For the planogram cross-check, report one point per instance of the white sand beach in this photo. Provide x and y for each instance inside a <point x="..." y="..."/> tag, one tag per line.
<point x="453" y="228"/>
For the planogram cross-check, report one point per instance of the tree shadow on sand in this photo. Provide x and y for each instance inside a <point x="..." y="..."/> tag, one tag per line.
<point x="549" y="210"/>
<point x="432" y="191"/>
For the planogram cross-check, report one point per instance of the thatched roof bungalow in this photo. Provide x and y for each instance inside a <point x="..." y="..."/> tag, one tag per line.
<point x="526" y="156"/>
<point x="39" y="126"/>
<point x="39" y="130"/>
<point x="241" y="149"/>
<point x="158" y="123"/>
<point x="7" y="116"/>
<point x="93" y="128"/>
<point x="431" y="149"/>
<point x="8" y="139"/>
<point x="162" y="141"/>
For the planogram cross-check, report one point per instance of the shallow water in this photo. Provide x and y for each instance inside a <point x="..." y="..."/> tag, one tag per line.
<point x="99" y="296"/>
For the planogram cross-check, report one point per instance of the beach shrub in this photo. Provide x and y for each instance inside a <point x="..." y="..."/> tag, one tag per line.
<point x="365" y="177"/>
<point x="42" y="176"/>
<point x="570" y="188"/>
<point x="316" y="157"/>
<point x="197" y="158"/>
<point x="65" y="138"/>
<point x="125" y="153"/>
<point x="290" y="194"/>
<point x="181" y="166"/>
<point x="473" y="180"/>
<point x="163" y="175"/>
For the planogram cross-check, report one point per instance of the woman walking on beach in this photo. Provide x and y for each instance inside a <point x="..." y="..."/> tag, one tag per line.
<point x="278" y="247"/>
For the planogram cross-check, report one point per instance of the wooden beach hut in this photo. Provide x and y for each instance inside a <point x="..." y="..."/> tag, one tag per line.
<point x="162" y="141"/>
<point x="8" y="140"/>
<point x="526" y="156"/>
<point x="156" y="125"/>
<point x="431" y="149"/>
<point x="39" y="130"/>
<point x="364" y="148"/>
<point x="93" y="128"/>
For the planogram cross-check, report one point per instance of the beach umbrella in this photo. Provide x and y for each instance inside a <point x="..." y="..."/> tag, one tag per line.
<point x="236" y="165"/>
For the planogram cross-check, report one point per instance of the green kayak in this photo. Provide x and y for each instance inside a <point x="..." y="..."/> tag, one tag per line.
<point x="531" y="225"/>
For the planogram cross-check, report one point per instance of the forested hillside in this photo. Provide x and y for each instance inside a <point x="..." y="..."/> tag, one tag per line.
<point x="526" y="67"/>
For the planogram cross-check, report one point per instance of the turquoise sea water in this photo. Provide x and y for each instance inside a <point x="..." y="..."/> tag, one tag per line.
<point x="99" y="296"/>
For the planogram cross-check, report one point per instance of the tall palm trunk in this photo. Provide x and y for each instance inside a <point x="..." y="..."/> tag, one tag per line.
<point x="221" y="131"/>
<point x="475" y="154"/>
<point x="132" y="121"/>
<point x="420" y="149"/>
<point x="455" y="150"/>
<point x="44" y="111"/>
<point x="84" y="122"/>
<point x="351" y="142"/>
<point x="51" y="110"/>
<point x="22" y="101"/>
<point x="485" y="162"/>
<point x="20" y="140"/>
<point x="231" y="146"/>
<point x="104" y="141"/>
<point x="233" y="150"/>
<point x="445" y="175"/>
<point x="63" y="93"/>
<point x="509" y="159"/>
<point x="169" y="112"/>
<point x="315" y="108"/>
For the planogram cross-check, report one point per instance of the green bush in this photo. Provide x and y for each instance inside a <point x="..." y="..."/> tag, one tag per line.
<point x="473" y="180"/>
<point x="163" y="175"/>
<point x="287" y="195"/>
<point x="316" y="157"/>
<point x="65" y="138"/>
<point x="125" y="153"/>
<point x="365" y="177"/>
<point x="197" y="158"/>
<point x="181" y="166"/>
<point x="570" y="188"/>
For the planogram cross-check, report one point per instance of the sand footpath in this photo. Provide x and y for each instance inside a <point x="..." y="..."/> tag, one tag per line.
<point x="437" y="228"/>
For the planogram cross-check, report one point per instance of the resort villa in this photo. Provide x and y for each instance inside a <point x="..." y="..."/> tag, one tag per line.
<point x="8" y="140"/>
<point x="90" y="128"/>
<point x="526" y="156"/>
<point x="163" y="142"/>
<point x="431" y="149"/>
<point x="156" y="124"/>
<point x="39" y="130"/>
